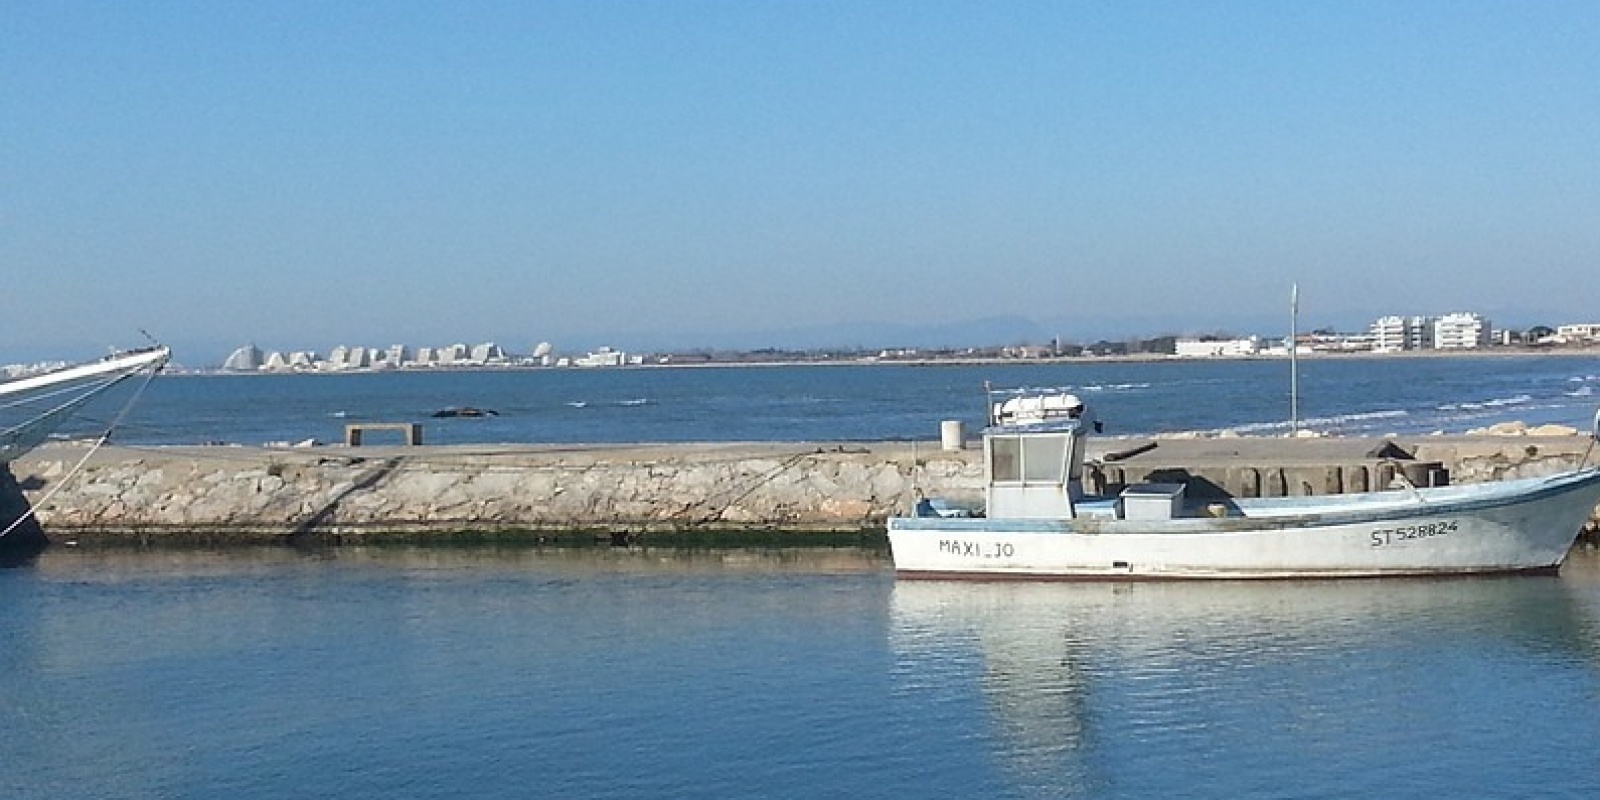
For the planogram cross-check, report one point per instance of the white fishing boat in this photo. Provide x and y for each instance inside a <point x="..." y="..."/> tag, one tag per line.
<point x="32" y="407"/>
<point x="1038" y="522"/>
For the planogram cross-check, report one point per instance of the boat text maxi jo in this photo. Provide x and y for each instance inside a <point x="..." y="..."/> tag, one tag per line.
<point x="1038" y="522"/>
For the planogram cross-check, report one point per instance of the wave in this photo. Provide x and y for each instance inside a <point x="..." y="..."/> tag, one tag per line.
<point x="1500" y="402"/>
<point x="629" y="403"/>
<point x="1325" y="424"/>
<point x="1115" y="387"/>
<point x="1067" y="389"/>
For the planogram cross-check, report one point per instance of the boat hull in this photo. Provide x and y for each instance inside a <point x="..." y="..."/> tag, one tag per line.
<point x="1526" y="525"/>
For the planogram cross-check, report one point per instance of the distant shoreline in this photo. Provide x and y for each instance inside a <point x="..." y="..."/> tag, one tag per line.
<point x="1138" y="358"/>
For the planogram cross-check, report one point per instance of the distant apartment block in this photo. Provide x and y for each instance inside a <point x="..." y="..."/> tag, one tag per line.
<point x="1394" y="334"/>
<point x="1461" y="331"/>
<point x="1457" y="331"/>
<point x="488" y="353"/>
<point x="454" y="354"/>
<point x="245" y="359"/>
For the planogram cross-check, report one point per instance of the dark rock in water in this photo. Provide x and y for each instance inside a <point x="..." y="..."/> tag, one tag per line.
<point x="465" y="411"/>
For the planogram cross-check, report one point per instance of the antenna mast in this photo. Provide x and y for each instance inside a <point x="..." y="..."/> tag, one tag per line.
<point x="1294" y="360"/>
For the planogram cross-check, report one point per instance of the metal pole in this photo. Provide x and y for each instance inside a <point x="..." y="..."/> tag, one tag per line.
<point x="1294" y="360"/>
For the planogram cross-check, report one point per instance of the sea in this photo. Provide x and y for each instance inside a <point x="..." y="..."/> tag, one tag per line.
<point x="482" y="672"/>
<point x="515" y="670"/>
<point x="1348" y="396"/>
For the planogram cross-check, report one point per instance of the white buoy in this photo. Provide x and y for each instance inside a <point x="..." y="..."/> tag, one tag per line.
<point x="952" y="435"/>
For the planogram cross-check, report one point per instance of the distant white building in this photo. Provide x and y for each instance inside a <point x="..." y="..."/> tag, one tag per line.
<point x="1340" y="342"/>
<point x="604" y="357"/>
<point x="276" y="362"/>
<point x="488" y="353"/>
<point x="453" y="355"/>
<point x="541" y="356"/>
<point x="245" y="359"/>
<point x="1279" y="348"/>
<point x="1579" y="332"/>
<point x="1388" y="334"/>
<point x="1218" y="348"/>
<point x="1461" y="331"/>
<point x="1393" y="334"/>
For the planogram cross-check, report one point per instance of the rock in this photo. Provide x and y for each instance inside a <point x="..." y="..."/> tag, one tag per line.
<point x="1553" y="430"/>
<point x="1513" y="428"/>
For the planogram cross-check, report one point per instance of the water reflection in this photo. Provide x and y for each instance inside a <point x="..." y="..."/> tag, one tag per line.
<point x="1096" y="688"/>
<point x="109" y="562"/>
<point x="376" y="670"/>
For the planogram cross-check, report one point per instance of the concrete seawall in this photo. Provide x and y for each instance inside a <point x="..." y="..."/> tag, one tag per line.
<point x="257" y="493"/>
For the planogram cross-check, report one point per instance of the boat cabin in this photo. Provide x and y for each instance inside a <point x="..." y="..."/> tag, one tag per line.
<point x="1033" y="454"/>
<point x="1034" y="470"/>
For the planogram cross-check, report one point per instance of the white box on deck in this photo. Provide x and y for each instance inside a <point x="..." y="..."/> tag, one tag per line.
<point x="1152" y="501"/>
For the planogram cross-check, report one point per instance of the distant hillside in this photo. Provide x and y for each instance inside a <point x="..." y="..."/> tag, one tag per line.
<point x="934" y="334"/>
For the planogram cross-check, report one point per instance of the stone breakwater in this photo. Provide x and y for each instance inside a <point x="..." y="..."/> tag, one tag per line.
<point x="254" y="493"/>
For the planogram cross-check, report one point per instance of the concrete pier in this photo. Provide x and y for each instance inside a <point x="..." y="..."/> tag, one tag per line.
<point x="258" y="493"/>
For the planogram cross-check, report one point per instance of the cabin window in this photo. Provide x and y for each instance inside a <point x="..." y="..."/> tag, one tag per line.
<point x="1042" y="457"/>
<point x="1005" y="458"/>
<point x="1027" y="459"/>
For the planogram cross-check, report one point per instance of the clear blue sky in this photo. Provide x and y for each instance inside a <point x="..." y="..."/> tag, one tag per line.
<point x="307" y="174"/>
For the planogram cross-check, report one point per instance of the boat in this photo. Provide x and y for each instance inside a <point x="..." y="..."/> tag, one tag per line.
<point x="1037" y="521"/>
<point x="32" y="407"/>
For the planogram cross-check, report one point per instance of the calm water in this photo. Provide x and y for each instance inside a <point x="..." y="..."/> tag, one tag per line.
<point x="798" y="673"/>
<point x="1350" y="396"/>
